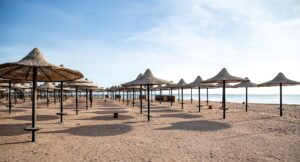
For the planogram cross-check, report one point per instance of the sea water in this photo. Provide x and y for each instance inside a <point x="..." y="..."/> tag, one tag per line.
<point x="252" y="98"/>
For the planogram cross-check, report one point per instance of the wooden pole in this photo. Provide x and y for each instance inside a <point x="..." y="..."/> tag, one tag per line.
<point x="34" y="87"/>
<point x="246" y="99"/>
<point x="280" y="108"/>
<point x="160" y="96"/>
<point x="61" y="102"/>
<point x="141" y="100"/>
<point x="224" y="101"/>
<point x="191" y="95"/>
<point x="206" y="96"/>
<point x="9" y="96"/>
<point x="182" y="97"/>
<point x="76" y="98"/>
<point x="47" y="97"/>
<point x="199" y="98"/>
<point x="171" y="97"/>
<point x="133" y="97"/>
<point x="148" y="92"/>
<point x="86" y="99"/>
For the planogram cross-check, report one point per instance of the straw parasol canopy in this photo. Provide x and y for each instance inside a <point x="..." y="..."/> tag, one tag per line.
<point x="23" y="69"/>
<point x="224" y="77"/>
<point x="279" y="80"/>
<point x="47" y="85"/>
<point x="34" y="67"/>
<point x="245" y="85"/>
<point x="149" y="79"/>
<point x="131" y="82"/>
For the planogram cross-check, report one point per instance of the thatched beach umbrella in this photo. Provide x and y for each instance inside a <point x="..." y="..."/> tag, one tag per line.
<point x="148" y="79"/>
<point x="47" y="86"/>
<point x="224" y="77"/>
<point x="141" y="92"/>
<point x="245" y="85"/>
<point x="180" y="85"/>
<point x="280" y="80"/>
<point x="77" y="83"/>
<point x="8" y="85"/>
<point x="197" y="83"/>
<point x="34" y="67"/>
<point x="170" y="86"/>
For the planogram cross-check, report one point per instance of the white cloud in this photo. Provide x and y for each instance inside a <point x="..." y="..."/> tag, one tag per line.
<point x="249" y="37"/>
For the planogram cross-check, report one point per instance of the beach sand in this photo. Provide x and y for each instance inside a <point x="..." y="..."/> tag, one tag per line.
<point x="173" y="134"/>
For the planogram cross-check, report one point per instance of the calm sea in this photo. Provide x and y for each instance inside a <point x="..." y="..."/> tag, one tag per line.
<point x="252" y="98"/>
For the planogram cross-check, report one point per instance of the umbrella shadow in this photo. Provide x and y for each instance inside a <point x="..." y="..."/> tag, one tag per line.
<point x="38" y="117"/>
<point x="13" y="143"/>
<point x="180" y="115"/>
<point x="109" y="112"/>
<point x="164" y="110"/>
<point x="108" y="117"/>
<point x="97" y="130"/>
<point x="200" y="125"/>
<point x="13" y="129"/>
<point x="12" y="110"/>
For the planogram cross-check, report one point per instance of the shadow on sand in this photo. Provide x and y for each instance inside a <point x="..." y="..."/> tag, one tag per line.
<point x="97" y="130"/>
<point x="12" y="110"/>
<point x="200" y="125"/>
<point x="38" y="117"/>
<point x="109" y="112"/>
<point x="108" y="117"/>
<point x="180" y="115"/>
<point x="13" y="129"/>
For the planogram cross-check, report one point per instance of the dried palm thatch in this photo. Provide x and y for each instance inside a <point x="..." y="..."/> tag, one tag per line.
<point x="279" y="79"/>
<point x="131" y="82"/>
<point x="149" y="79"/>
<point x="198" y="83"/>
<point x="23" y="69"/>
<point x="181" y="84"/>
<point x="223" y="75"/>
<point x="220" y="85"/>
<point x="245" y="84"/>
<point x="47" y="85"/>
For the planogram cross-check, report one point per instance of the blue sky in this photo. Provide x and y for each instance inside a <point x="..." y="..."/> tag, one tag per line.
<point x="110" y="42"/>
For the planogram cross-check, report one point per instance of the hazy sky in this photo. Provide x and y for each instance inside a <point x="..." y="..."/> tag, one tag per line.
<point x="110" y="42"/>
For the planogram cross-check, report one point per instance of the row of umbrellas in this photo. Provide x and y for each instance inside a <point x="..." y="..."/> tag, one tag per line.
<point x="222" y="79"/>
<point x="34" y="68"/>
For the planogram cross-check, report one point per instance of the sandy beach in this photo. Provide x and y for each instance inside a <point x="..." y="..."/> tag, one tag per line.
<point x="173" y="134"/>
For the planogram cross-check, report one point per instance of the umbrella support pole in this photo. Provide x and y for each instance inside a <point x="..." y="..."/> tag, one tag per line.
<point x="224" y="101"/>
<point x="148" y="91"/>
<point x="141" y="100"/>
<point x="246" y="99"/>
<point x="171" y="97"/>
<point x="61" y="113"/>
<point x="199" y="98"/>
<point x="191" y="95"/>
<point x="206" y="96"/>
<point x="280" y="108"/>
<point x="33" y="128"/>
<point x="182" y="97"/>
<point x="133" y="97"/>
<point x="9" y="96"/>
